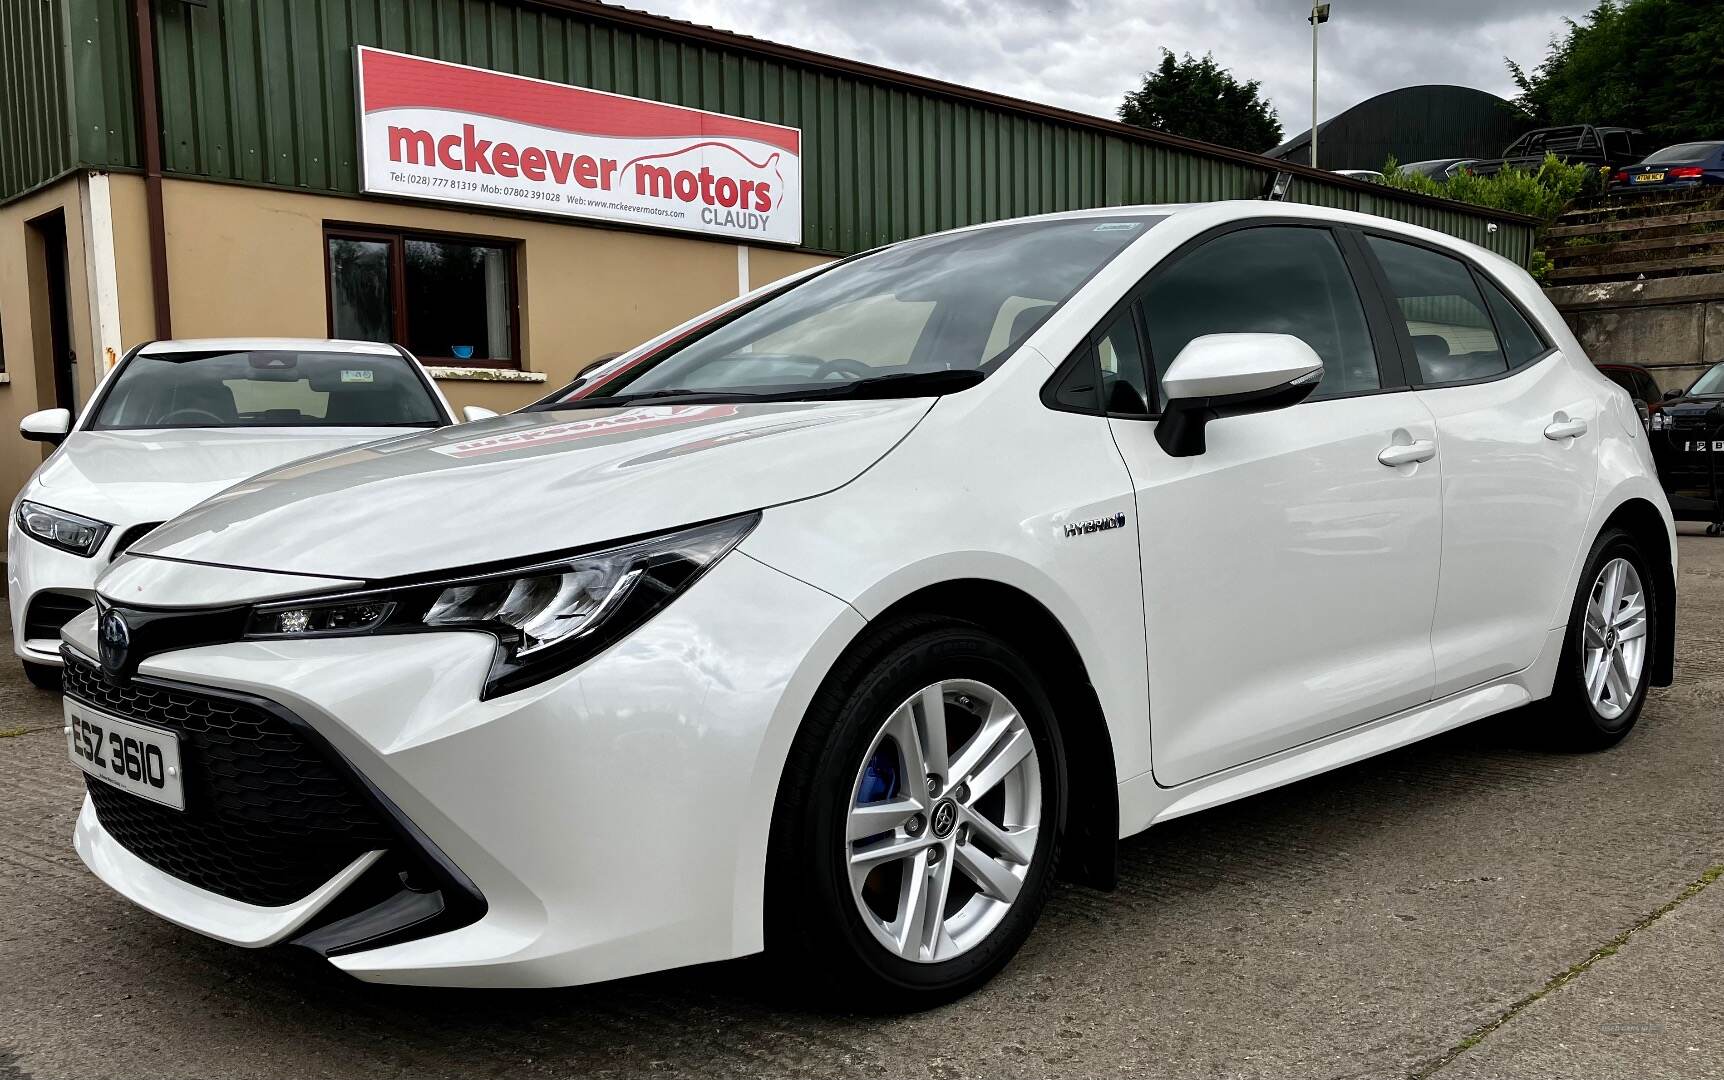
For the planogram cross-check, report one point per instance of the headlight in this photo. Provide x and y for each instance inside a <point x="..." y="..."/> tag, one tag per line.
<point x="547" y="617"/>
<point x="59" y="528"/>
<point x="1660" y="421"/>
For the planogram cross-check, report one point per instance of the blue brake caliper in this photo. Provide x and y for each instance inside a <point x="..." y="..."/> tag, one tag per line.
<point x="879" y="778"/>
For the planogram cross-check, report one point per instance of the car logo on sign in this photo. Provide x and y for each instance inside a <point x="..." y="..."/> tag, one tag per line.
<point x="113" y="640"/>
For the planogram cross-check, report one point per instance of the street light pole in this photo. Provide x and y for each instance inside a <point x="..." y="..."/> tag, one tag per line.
<point x="1319" y="16"/>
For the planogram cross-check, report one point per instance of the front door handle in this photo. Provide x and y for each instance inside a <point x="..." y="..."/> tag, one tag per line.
<point x="1564" y="428"/>
<point x="1408" y="453"/>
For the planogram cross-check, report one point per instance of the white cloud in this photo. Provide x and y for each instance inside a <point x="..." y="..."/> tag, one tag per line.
<point x="1085" y="54"/>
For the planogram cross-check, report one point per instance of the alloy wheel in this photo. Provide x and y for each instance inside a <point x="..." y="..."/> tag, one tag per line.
<point x="1614" y="644"/>
<point x="944" y="819"/>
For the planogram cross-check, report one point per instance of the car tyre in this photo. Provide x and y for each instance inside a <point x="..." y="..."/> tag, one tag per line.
<point x="42" y="676"/>
<point x="829" y="917"/>
<point x="1608" y="654"/>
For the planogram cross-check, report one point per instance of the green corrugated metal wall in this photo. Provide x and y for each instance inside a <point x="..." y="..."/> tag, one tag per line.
<point x="261" y="91"/>
<point x="34" y="145"/>
<point x="103" y="81"/>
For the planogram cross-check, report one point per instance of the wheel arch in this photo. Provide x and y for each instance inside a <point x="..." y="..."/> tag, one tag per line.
<point x="1092" y="812"/>
<point x="1651" y="532"/>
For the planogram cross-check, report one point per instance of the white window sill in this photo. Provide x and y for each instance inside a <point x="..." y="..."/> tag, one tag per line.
<point x="484" y="374"/>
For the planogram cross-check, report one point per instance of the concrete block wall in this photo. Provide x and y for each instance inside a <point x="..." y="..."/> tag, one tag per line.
<point x="1672" y="326"/>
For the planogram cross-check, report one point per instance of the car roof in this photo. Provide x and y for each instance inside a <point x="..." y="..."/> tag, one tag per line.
<point x="1221" y="211"/>
<point x="281" y="344"/>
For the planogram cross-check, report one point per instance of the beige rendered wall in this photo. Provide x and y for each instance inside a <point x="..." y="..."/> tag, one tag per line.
<point x="24" y="332"/>
<point x="766" y="265"/>
<point x="250" y="261"/>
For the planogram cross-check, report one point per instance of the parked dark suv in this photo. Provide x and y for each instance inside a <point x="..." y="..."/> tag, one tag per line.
<point x="1688" y="444"/>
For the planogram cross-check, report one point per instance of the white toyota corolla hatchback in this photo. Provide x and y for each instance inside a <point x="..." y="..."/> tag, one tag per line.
<point x="172" y="424"/>
<point x="834" y="622"/>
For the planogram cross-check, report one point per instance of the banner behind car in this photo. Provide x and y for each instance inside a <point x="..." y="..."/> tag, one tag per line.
<point x="435" y="130"/>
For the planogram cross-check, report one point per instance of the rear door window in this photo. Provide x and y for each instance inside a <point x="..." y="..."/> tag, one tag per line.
<point x="1520" y="340"/>
<point x="1443" y="312"/>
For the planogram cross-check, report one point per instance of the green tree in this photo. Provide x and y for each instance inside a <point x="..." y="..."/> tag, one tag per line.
<point x="1200" y="99"/>
<point x="1652" y="64"/>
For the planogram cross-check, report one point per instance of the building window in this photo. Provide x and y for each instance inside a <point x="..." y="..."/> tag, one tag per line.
<point x="448" y="299"/>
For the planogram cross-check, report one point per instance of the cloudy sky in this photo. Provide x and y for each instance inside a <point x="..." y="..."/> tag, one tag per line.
<point x="1084" y="54"/>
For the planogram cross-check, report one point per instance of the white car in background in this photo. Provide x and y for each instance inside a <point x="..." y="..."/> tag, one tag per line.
<point x="831" y="622"/>
<point x="172" y="424"/>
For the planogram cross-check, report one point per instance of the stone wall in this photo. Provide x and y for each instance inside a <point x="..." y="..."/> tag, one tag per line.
<point x="1673" y="326"/>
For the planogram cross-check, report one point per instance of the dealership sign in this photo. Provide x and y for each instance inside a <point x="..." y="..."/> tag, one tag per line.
<point x="434" y="130"/>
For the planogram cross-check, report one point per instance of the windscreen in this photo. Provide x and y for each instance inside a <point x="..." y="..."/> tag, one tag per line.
<point x="1691" y="151"/>
<point x="955" y="303"/>
<point x="1709" y="384"/>
<point x="275" y="388"/>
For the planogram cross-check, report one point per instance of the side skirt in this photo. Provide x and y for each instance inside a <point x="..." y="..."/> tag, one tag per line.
<point x="1143" y="803"/>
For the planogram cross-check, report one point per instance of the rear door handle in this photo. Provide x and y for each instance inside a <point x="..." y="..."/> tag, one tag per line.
<point x="1408" y="453"/>
<point x="1564" y="428"/>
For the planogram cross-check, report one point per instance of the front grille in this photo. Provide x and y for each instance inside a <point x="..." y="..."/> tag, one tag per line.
<point x="268" y="818"/>
<point x="51" y="610"/>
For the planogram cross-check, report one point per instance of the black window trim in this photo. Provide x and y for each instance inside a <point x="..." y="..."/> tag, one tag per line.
<point x="1367" y="283"/>
<point x="1404" y="341"/>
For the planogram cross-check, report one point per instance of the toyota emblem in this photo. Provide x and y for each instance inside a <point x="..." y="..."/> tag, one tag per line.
<point x="945" y="816"/>
<point x="113" y="640"/>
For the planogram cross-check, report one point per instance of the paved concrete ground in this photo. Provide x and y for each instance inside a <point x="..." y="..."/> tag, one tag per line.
<point x="1470" y="908"/>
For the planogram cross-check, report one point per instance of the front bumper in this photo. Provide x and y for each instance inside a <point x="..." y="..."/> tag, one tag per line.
<point x="615" y="819"/>
<point x="198" y="909"/>
<point x="33" y="570"/>
<point x="1684" y="468"/>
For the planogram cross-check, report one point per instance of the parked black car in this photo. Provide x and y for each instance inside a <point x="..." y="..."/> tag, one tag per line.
<point x="1685" y="165"/>
<point x="1575" y="144"/>
<point x="1688" y="444"/>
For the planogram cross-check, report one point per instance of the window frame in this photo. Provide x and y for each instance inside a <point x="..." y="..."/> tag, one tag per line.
<point x="397" y="239"/>
<point x="1481" y="278"/>
<point x="1364" y="273"/>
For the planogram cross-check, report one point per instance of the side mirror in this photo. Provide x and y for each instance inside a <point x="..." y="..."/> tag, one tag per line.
<point x="1221" y="375"/>
<point x="1672" y="395"/>
<point x="470" y="413"/>
<point x="49" y="426"/>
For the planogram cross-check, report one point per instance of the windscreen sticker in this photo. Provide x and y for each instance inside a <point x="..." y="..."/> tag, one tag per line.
<point x="364" y="375"/>
<point x="1116" y="226"/>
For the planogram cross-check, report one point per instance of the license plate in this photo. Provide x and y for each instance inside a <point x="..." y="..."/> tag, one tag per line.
<point x="132" y="757"/>
<point x="1649" y="178"/>
<point x="1701" y="446"/>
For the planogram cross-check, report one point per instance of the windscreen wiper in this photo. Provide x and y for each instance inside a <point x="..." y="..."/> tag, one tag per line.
<point x="904" y="384"/>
